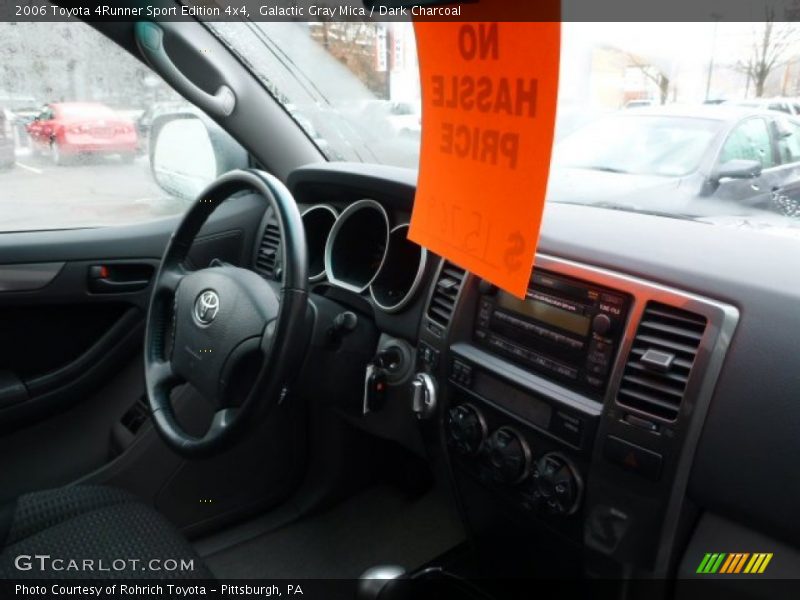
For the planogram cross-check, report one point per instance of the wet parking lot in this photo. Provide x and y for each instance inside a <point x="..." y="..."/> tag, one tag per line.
<point x="92" y="191"/>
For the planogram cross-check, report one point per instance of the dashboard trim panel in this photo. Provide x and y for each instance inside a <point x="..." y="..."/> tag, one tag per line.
<point x="423" y="261"/>
<point x="722" y="320"/>
<point x="345" y="214"/>
<point x="657" y="505"/>
<point x="314" y="278"/>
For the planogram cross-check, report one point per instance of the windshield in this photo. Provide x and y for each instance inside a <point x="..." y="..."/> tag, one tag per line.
<point x="643" y="124"/>
<point x="634" y="107"/>
<point x="353" y="87"/>
<point x="640" y="145"/>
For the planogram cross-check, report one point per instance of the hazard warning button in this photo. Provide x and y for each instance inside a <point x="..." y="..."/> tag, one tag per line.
<point x="633" y="458"/>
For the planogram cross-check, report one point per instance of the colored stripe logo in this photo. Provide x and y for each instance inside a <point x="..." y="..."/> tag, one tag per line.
<point x="734" y="563"/>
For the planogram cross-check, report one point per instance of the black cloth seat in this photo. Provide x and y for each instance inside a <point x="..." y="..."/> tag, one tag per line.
<point x="91" y="523"/>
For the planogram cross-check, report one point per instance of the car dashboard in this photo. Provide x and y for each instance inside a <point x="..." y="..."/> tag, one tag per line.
<point x="611" y="411"/>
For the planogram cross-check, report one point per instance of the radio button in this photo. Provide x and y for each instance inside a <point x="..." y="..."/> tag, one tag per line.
<point x="597" y="368"/>
<point x="594" y="381"/>
<point x="601" y="324"/>
<point x="461" y="373"/>
<point x="566" y="371"/>
<point x="568" y="428"/>
<point x="599" y="356"/>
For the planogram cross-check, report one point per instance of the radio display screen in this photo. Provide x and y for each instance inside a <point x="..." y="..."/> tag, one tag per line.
<point x="546" y="313"/>
<point x="564" y="328"/>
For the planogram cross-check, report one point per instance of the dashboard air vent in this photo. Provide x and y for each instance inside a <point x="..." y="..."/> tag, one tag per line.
<point x="444" y="296"/>
<point x="661" y="360"/>
<point x="268" y="258"/>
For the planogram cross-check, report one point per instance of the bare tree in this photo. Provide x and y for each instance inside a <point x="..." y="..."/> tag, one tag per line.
<point x="654" y="74"/>
<point x="353" y="44"/>
<point x="771" y="46"/>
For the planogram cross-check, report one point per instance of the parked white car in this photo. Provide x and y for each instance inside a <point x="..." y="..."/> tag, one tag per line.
<point x="790" y="106"/>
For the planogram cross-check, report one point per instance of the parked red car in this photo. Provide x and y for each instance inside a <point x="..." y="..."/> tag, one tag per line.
<point x="68" y="129"/>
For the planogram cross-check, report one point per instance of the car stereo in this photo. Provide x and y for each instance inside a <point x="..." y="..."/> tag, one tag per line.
<point x="566" y="329"/>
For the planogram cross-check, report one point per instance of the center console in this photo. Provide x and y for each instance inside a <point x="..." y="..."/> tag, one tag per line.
<point x="574" y="410"/>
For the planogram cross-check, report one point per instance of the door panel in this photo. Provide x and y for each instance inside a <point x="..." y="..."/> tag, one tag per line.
<point x="56" y="451"/>
<point x="45" y="339"/>
<point x="65" y="338"/>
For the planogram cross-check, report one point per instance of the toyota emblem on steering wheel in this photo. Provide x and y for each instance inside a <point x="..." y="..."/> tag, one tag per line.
<point x="206" y="307"/>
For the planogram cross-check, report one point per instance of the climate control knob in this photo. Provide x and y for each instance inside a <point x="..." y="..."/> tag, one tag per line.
<point x="509" y="455"/>
<point x="555" y="485"/>
<point x="466" y="429"/>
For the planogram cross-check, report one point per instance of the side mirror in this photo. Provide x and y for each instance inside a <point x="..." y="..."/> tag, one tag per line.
<point x="738" y="168"/>
<point x="783" y="133"/>
<point x="188" y="151"/>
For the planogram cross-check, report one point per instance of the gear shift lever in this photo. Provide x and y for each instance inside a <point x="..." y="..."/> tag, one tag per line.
<point x="374" y="580"/>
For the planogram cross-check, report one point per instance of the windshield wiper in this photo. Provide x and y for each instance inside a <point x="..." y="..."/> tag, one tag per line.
<point x="635" y="209"/>
<point x="604" y="169"/>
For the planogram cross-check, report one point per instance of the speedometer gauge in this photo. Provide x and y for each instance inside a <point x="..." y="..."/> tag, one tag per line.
<point x="357" y="246"/>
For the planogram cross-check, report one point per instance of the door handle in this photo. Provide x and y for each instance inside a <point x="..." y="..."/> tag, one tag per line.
<point x="119" y="278"/>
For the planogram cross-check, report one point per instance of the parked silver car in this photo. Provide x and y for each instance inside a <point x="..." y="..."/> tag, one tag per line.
<point x="7" y="144"/>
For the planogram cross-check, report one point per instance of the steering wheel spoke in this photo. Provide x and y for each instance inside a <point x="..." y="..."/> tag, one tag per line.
<point x="170" y="278"/>
<point x="223" y="419"/>
<point x="161" y="380"/>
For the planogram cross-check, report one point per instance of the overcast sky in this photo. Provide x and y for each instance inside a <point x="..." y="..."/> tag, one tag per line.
<point x="668" y="44"/>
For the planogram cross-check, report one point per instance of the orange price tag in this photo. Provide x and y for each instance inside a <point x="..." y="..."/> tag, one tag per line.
<point x="489" y="93"/>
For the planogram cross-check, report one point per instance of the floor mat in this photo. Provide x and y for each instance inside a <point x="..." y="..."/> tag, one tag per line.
<point x="378" y="526"/>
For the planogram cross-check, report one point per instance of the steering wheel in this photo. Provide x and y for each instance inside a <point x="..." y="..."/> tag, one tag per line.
<point x="202" y="325"/>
